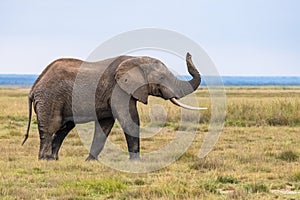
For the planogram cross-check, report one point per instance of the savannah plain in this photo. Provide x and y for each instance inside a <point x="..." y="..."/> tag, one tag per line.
<point x="256" y="156"/>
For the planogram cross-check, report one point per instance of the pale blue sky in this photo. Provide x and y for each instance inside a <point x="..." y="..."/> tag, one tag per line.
<point x="242" y="37"/>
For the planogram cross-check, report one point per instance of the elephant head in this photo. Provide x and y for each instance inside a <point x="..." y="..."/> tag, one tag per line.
<point x="144" y="76"/>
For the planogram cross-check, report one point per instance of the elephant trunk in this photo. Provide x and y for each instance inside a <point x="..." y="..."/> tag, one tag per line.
<point x="184" y="88"/>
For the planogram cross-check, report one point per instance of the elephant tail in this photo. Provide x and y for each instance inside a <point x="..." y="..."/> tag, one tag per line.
<point x="29" y="118"/>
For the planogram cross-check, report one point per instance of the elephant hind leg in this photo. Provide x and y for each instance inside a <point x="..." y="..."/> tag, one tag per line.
<point x="46" y="139"/>
<point x="48" y="124"/>
<point x="45" y="152"/>
<point x="59" y="137"/>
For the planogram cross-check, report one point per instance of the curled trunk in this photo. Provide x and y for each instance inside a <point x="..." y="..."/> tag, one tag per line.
<point x="184" y="88"/>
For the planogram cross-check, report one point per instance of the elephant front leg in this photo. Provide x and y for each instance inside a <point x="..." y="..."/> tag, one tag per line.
<point x="101" y="132"/>
<point x="133" y="144"/>
<point x="129" y="120"/>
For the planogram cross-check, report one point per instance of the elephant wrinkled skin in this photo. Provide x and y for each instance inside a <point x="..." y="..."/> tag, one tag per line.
<point x="123" y="77"/>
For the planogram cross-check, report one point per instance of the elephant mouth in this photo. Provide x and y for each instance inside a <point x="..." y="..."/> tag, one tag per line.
<point x="167" y="93"/>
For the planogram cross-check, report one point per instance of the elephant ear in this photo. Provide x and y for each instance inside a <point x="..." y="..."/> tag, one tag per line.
<point x="131" y="78"/>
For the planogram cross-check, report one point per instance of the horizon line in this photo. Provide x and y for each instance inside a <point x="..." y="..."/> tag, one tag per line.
<point x="225" y="75"/>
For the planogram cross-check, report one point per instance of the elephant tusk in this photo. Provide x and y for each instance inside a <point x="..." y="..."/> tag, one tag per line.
<point x="178" y="103"/>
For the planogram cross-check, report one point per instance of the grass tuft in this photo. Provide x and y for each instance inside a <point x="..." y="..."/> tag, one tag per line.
<point x="289" y="156"/>
<point x="37" y="170"/>
<point x="257" y="188"/>
<point x="211" y="187"/>
<point x="227" y="179"/>
<point x="207" y="164"/>
<point x="139" y="182"/>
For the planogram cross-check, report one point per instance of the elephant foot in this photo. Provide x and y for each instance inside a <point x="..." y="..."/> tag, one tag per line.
<point x="48" y="157"/>
<point x="134" y="156"/>
<point x="91" y="158"/>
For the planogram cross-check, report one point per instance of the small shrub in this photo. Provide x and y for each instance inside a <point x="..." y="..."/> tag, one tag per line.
<point x="288" y="156"/>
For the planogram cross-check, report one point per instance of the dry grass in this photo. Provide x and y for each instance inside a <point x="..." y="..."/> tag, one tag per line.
<point x="253" y="159"/>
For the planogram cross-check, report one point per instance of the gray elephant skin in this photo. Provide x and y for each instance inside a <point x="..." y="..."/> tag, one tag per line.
<point x="120" y="82"/>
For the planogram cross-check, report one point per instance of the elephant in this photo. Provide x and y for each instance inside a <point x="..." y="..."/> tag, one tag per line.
<point x="130" y="78"/>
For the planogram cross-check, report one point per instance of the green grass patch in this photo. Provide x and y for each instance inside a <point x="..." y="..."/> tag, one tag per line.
<point x="96" y="187"/>
<point x="37" y="170"/>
